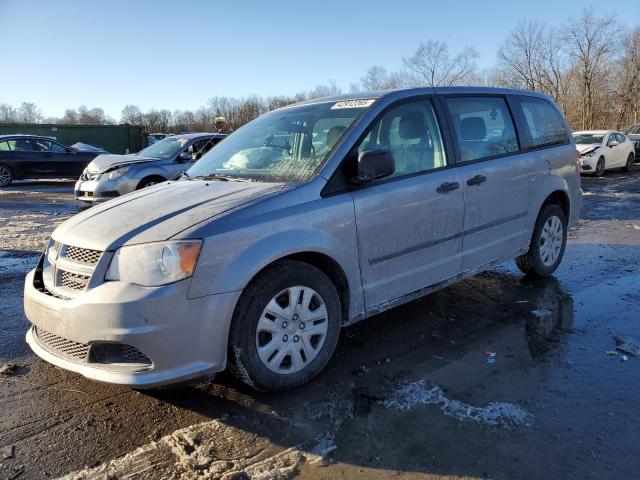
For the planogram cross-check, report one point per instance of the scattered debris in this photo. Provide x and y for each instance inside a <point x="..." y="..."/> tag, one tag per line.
<point x="624" y="358"/>
<point x="490" y="357"/>
<point x="522" y="301"/>
<point x="420" y="393"/>
<point x="7" y="452"/>
<point x="8" y="368"/>
<point x="627" y="345"/>
<point x="612" y="352"/>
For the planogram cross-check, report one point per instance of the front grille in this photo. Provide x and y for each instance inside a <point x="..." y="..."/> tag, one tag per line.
<point x="67" y="269"/>
<point x="83" y="255"/>
<point x="61" y="346"/>
<point x="74" y="281"/>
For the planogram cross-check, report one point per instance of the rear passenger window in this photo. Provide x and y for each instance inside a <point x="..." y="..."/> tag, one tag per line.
<point x="483" y="127"/>
<point x="4" y="147"/>
<point x="545" y="124"/>
<point x="412" y="134"/>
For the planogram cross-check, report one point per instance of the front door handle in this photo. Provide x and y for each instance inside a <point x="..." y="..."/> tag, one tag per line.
<point x="477" y="180"/>
<point x="447" y="187"/>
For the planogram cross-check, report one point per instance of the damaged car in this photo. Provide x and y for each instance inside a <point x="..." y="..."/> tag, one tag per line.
<point x="307" y="219"/>
<point x="601" y="150"/>
<point x="109" y="176"/>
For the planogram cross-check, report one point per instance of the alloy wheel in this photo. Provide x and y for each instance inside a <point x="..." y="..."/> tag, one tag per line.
<point x="292" y="329"/>
<point x="5" y="176"/>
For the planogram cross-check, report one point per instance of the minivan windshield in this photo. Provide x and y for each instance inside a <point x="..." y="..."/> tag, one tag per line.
<point x="287" y="145"/>
<point x="165" y="148"/>
<point x="588" y="138"/>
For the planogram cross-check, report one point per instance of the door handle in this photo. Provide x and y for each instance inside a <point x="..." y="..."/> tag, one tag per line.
<point x="447" y="187"/>
<point x="477" y="180"/>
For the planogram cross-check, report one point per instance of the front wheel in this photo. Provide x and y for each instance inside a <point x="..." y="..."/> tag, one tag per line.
<point x="600" y="167"/>
<point x="547" y="243"/>
<point x="630" y="160"/>
<point x="285" y="327"/>
<point x="6" y="175"/>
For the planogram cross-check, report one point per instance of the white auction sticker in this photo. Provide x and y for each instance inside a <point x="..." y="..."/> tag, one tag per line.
<point x="353" y="104"/>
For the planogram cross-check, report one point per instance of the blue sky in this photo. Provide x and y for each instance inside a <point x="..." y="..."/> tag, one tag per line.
<point x="176" y="55"/>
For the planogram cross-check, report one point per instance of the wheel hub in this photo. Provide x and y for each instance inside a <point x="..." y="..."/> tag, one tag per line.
<point x="291" y="329"/>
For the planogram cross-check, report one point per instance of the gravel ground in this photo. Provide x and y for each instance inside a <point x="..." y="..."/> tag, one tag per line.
<point x="409" y="393"/>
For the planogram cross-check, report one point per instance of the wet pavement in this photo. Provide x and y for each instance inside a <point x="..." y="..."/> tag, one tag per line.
<point x="495" y="377"/>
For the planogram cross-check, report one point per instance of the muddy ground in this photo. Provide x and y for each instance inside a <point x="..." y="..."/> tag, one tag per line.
<point x="409" y="393"/>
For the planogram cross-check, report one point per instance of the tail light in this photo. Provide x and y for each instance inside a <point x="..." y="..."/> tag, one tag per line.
<point x="578" y="161"/>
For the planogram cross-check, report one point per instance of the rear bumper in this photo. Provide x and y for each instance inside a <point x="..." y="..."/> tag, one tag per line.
<point x="183" y="338"/>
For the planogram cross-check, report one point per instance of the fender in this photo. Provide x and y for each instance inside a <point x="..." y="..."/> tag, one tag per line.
<point x="214" y="275"/>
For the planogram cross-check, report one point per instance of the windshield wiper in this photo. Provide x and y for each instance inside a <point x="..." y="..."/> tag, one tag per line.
<point x="222" y="178"/>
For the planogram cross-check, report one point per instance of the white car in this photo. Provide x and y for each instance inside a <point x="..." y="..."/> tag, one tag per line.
<point x="602" y="150"/>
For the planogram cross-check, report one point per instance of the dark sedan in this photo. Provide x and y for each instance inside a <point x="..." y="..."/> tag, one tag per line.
<point x="633" y="134"/>
<point x="30" y="156"/>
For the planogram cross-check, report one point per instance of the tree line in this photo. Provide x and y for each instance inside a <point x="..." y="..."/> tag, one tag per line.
<point x="589" y="65"/>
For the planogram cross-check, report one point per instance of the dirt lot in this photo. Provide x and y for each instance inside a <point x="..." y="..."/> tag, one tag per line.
<point x="409" y="393"/>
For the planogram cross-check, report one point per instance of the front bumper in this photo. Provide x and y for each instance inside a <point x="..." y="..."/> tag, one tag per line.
<point x="588" y="164"/>
<point x="183" y="338"/>
<point x="94" y="191"/>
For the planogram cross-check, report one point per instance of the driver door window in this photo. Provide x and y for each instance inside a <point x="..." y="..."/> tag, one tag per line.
<point x="412" y="134"/>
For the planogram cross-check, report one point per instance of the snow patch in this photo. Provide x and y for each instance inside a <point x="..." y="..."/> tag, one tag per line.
<point x="420" y="393"/>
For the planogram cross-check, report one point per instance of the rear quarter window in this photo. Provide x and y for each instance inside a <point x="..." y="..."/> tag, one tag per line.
<point x="4" y="146"/>
<point x="544" y="123"/>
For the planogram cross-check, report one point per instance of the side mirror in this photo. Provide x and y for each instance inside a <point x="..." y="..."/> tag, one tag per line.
<point x="614" y="144"/>
<point x="374" y="164"/>
<point x="68" y="150"/>
<point x="185" y="157"/>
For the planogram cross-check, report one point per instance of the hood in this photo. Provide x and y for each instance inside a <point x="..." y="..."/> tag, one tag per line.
<point x="157" y="213"/>
<point x="582" y="148"/>
<point x="104" y="162"/>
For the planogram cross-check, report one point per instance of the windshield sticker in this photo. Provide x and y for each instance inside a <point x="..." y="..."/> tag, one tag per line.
<point x="353" y="104"/>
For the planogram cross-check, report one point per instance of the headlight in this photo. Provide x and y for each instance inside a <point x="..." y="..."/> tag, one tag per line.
<point x="588" y="154"/>
<point x="154" y="264"/>
<point x="117" y="173"/>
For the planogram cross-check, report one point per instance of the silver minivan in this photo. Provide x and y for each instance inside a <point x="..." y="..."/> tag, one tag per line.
<point x="307" y="219"/>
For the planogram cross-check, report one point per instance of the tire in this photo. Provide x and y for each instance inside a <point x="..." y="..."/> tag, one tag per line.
<point x="541" y="261"/>
<point x="275" y="353"/>
<point x="149" y="181"/>
<point x="630" y="159"/>
<point x="6" y="175"/>
<point x="600" y="167"/>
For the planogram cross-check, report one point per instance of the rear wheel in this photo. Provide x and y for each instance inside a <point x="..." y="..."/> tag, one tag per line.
<point x="6" y="175"/>
<point x="547" y="243"/>
<point x="630" y="160"/>
<point x="285" y="327"/>
<point x="600" y="167"/>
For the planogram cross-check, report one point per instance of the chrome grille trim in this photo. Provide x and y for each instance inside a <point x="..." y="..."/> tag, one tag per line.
<point x="69" y="269"/>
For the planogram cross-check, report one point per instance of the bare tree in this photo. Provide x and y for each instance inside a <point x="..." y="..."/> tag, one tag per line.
<point x="132" y="115"/>
<point x="590" y="42"/>
<point x="627" y="79"/>
<point x="29" y="113"/>
<point x="376" y="78"/>
<point x="8" y="114"/>
<point x="325" y="90"/>
<point x="433" y="65"/>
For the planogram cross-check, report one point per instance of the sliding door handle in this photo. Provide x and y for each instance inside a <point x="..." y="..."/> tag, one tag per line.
<point x="477" y="180"/>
